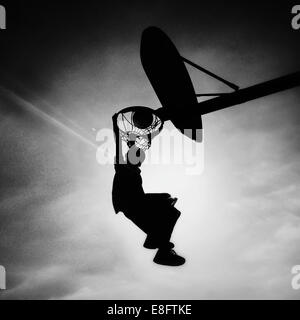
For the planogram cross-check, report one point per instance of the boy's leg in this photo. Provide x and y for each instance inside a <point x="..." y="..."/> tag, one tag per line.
<point x="161" y="229"/>
<point x="158" y="225"/>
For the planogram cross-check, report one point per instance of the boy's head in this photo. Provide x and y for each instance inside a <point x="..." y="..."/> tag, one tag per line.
<point x="135" y="156"/>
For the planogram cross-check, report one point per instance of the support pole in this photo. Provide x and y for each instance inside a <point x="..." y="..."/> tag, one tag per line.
<point x="250" y="93"/>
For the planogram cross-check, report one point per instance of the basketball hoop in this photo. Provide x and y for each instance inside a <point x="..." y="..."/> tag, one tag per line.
<point x="138" y="126"/>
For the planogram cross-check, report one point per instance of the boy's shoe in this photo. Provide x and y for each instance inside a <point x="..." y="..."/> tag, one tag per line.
<point x="168" y="257"/>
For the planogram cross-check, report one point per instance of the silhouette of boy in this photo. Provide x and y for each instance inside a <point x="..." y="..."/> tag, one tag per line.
<point x="154" y="213"/>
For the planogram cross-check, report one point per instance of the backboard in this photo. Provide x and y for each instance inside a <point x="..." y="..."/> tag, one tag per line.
<point x="171" y="82"/>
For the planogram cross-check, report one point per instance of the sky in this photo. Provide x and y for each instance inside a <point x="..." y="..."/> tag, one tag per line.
<point x="66" y="69"/>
